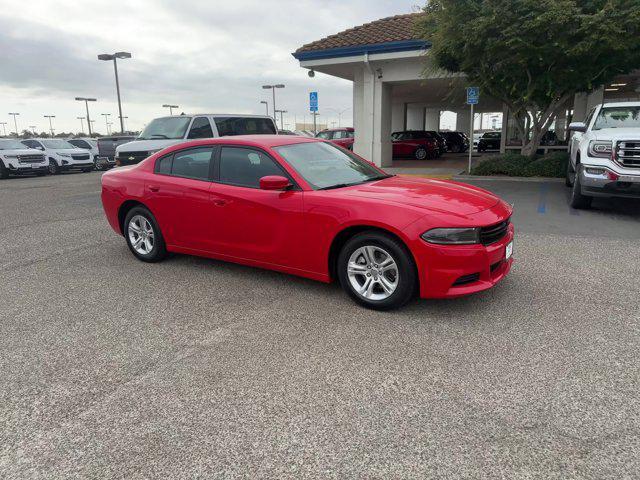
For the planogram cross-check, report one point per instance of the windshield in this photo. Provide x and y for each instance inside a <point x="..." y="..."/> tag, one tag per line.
<point x="618" y="117"/>
<point x="11" y="145"/>
<point x="325" y="166"/>
<point x="57" y="144"/>
<point x="165" y="128"/>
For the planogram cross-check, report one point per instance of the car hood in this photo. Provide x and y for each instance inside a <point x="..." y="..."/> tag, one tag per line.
<point x="432" y="196"/>
<point x="146" y="145"/>
<point x="616" y="134"/>
<point x="77" y="151"/>
<point x="22" y="151"/>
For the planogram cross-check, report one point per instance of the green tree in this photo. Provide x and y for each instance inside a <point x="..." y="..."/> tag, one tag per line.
<point x="534" y="55"/>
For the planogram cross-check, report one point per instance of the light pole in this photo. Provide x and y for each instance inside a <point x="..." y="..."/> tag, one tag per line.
<point x="81" y="124"/>
<point x="33" y="128"/>
<point x="123" y="119"/>
<point x="50" y="123"/>
<point x="170" y="107"/>
<point x="281" y="121"/>
<point x="4" y="128"/>
<point x="109" y="128"/>
<point x="86" y="104"/>
<point x="266" y="104"/>
<point x="339" y="113"/>
<point x="114" y="57"/>
<point x="273" y="91"/>
<point x="106" y="121"/>
<point x="15" y="123"/>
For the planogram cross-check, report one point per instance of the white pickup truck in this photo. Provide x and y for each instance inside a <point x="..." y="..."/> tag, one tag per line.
<point x="604" y="154"/>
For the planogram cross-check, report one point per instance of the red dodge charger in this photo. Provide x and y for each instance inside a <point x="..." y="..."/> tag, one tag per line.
<point x="307" y="207"/>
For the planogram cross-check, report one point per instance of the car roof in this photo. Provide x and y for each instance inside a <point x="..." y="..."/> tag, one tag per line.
<point x="238" y="115"/>
<point x="621" y="104"/>
<point x="267" y="141"/>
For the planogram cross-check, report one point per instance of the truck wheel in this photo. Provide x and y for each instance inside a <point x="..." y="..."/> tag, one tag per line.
<point x="54" y="169"/>
<point x="578" y="200"/>
<point x="4" y="173"/>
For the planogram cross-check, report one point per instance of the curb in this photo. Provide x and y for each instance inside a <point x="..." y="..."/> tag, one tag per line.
<point x="509" y="179"/>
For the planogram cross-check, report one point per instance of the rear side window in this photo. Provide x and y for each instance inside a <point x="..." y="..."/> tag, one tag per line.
<point x="192" y="163"/>
<point x="324" y="135"/>
<point x="201" y="128"/>
<point x="244" y="126"/>
<point x="245" y="167"/>
<point x="340" y="134"/>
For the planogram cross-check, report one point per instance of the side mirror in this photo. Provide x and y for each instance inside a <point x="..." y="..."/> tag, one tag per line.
<point x="578" y="127"/>
<point x="274" y="182"/>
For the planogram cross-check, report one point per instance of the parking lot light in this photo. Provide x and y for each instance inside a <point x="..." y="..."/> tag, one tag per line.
<point x="273" y="91"/>
<point x="114" y="57"/>
<point x="15" y="122"/>
<point x="86" y="104"/>
<point x="266" y="104"/>
<point x="106" y="121"/>
<point x="81" y="124"/>
<point x="50" y="123"/>
<point x="170" y="107"/>
<point x="4" y="128"/>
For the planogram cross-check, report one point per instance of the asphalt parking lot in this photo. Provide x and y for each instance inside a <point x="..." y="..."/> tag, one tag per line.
<point x="196" y="368"/>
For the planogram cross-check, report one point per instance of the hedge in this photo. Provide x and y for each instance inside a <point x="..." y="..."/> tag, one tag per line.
<point x="516" y="165"/>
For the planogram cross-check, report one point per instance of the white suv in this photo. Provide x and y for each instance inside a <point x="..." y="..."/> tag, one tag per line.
<point x="604" y="154"/>
<point x="61" y="155"/>
<point x="16" y="159"/>
<point x="166" y="131"/>
<point x="89" y="144"/>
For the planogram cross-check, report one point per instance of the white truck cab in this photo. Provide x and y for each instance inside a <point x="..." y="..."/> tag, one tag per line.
<point x="61" y="155"/>
<point x="604" y="154"/>
<point x="16" y="159"/>
<point x="166" y="131"/>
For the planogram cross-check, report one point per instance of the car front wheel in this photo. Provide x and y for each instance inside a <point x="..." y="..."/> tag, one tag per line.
<point x="420" y="153"/>
<point x="377" y="271"/>
<point x="54" y="169"/>
<point x="143" y="235"/>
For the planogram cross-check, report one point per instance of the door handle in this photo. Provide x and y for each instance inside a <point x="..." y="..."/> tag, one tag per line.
<point x="218" y="202"/>
<point x="153" y="188"/>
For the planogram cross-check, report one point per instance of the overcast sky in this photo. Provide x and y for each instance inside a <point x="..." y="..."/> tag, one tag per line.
<point x="204" y="55"/>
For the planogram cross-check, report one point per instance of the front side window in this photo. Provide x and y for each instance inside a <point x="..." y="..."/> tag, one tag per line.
<point x="228" y="126"/>
<point x="245" y="167"/>
<point x="339" y="134"/>
<point x="201" y="128"/>
<point x="325" y="166"/>
<point x="172" y="128"/>
<point x="32" y="144"/>
<point x="57" y="144"/>
<point x="324" y="135"/>
<point x="192" y="163"/>
<point x="618" y="117"/>
<point x="80" y="144"/>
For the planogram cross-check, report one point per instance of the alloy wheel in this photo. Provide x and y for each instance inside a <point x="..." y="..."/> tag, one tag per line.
<point x="373" y="273"/>
<point x="141" y="235"/>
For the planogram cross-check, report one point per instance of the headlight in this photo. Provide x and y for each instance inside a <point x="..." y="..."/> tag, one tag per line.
<point x="600" y="148"/>
<point x="64" y="154"/>
<point x="452" y="236"/>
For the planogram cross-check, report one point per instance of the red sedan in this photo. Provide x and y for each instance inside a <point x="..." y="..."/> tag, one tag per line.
<point x="306" y="207"/>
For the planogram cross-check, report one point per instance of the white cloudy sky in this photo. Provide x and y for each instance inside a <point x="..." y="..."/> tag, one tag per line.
<point x="204" y="55"/>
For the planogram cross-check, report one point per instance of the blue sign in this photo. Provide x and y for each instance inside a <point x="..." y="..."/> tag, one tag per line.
<point x="473" y="95"/>
<point x="313" y="101"/>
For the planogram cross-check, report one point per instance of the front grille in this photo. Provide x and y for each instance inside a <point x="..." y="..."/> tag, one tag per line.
<point x="627" y="153"/>
<point x="493" y="233"/>
<point x="132" y="157"/>
<point x="467" y="279"/>
<point x="30" y="158"/>
<point x="80" y="156"/>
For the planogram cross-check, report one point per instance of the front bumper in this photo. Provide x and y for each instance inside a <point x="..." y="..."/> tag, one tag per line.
<point x="67" y="165"/>
<point x="25" y="169"/>
<point x="595" y="185"/>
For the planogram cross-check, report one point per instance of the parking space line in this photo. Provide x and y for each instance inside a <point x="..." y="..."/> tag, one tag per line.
<point x="542" y="202"/>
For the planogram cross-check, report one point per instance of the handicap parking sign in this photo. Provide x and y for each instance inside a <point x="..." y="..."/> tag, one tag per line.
<point x="313" y="101"/>
<point x="473" y="95"/>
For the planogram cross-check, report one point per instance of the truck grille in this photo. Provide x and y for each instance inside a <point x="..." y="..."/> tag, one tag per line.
<point x="493" y="233"/>
<point x="627" y="153"/>
<point x="80" y="156"/>
<point x="129" y="158"/>
<point x="30" y="158"/>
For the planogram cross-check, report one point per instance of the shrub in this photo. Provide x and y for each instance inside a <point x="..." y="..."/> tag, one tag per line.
<point x="516" y="165"/>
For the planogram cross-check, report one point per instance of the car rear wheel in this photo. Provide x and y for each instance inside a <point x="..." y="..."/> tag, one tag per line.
<point x="420" y="153"/>
<point x="578" y="200"/>
<point x="143" y="235"/>
<point x="54" y="169"/>
<point x="377" y="271"/>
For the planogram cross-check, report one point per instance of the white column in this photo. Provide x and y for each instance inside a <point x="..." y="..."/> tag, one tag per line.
<point x="415" y="117"/>
<point x="362" y="141"/>
<point x="432" y="119"/>
<point x="397" y="116"/>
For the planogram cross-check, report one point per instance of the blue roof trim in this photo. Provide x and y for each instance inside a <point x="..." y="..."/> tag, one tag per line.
<point x="388" y="47"/>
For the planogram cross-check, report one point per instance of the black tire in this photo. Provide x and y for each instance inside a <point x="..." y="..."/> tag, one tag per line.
<point x="4" y="172"/>
<point x="97" y="166"/>
<point x="54" y="169"/>
<point x="86" y="170"/>
<point x="578" y="200"/>
<point x="420" y="153"/>
<point x="159" y="250"/>
<point x="456" y="148"/>
<point x="570" y="172"/>
<point x="407" y="278"/>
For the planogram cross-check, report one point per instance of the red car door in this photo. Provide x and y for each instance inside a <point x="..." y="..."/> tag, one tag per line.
<point x="250" y="223"/>
<point x="178" y="194"/>
<point x="400" y="147"/>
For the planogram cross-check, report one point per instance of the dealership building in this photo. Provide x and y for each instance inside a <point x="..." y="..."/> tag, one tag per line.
<point x="395" y="87"/>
